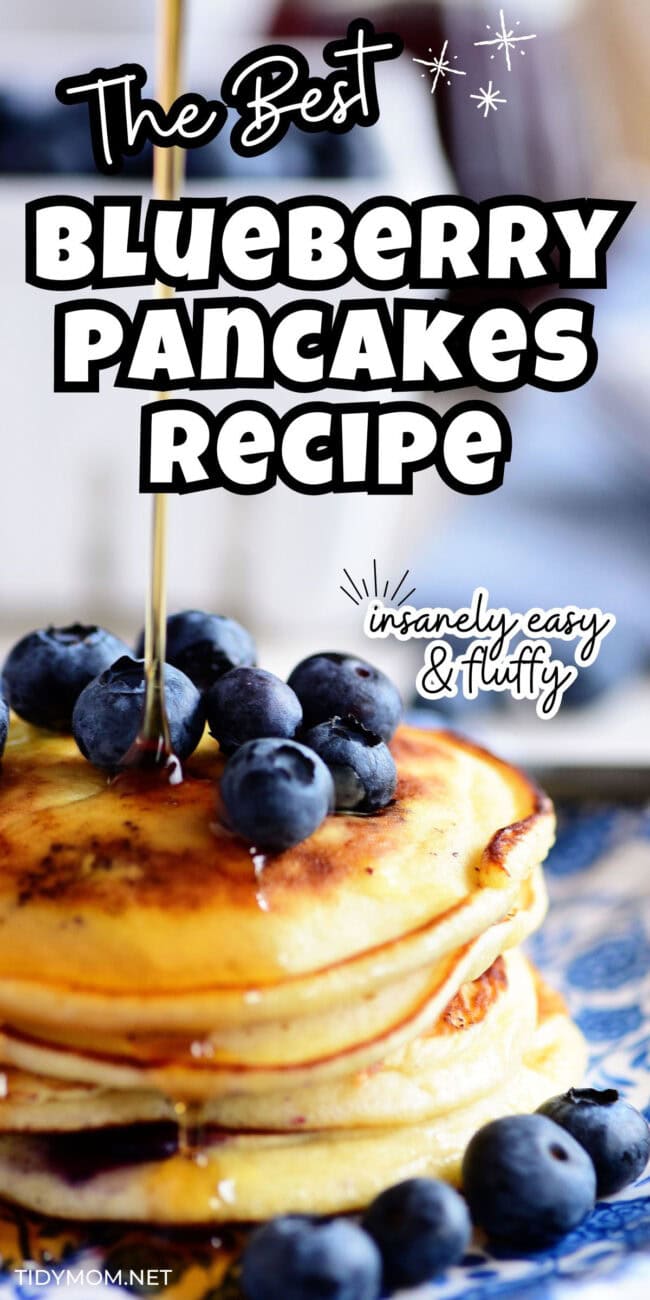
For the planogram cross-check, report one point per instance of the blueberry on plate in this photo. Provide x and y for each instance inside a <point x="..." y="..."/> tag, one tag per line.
<point x="4" y="724"/>
<point x="295" y="1258"/>
<point x="362" y="766"/>
<point x="205" y="646"/>
<point x="276" y="792"/>
<point x="46" y="671"/>
<point x="527" y="1181"/>
<point x="613" y="1133"/>
<point x="421" y="1227"/>
<point x="108" y="713"/>
<point x="247" y="703"/>
<point x="332" y="685"/>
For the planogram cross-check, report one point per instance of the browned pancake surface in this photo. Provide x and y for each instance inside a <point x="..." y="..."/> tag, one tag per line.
<point x="137" y="885"/>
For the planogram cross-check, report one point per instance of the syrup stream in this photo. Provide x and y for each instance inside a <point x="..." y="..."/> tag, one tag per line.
<point x="152" y="748"/>
<point x="153" y="745"/>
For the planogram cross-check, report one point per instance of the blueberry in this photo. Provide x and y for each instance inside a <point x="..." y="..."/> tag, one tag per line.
<point x="362" y="766"/>
<point x="276" y="792"/>
<point x="298" y="1259"/>
<point x="205" y="646"/>
<point x="108" y="713"/>
<point x="527" y="1182"/>
<point x="613" y="1133"/>
<point x="4" y="724"/>
<point x="46" y="671"/>
<point x="421" y="1227"/>
<point x="247" y="703"/>
<point x="332" y="685"/>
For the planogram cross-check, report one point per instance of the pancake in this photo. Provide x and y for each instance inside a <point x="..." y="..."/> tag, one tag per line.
<point x="204" y="1010"/>
<point x="483" y="1031"/>
<point x="127" y="903"/>
<point x="193" y="1032"/>
<point x="191" y="1072"/>
<point x="248" y="1177"/>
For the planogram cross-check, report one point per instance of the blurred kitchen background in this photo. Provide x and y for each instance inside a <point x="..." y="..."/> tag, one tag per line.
<point x="572" y="521"/>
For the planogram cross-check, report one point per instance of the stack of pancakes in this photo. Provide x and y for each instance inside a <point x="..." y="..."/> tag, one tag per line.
<point x="193" y="1032"/>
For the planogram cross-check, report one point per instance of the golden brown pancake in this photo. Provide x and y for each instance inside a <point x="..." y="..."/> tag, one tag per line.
<point x="257" y="1175"/>
<point x="192" y="1072"/>
<point x="128" y="887"/>
<point x="333" y="1017"/>
<point x="482" y="1032"/>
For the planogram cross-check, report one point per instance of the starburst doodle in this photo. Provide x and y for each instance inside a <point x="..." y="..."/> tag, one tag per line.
<point x="372" y="587"/>
<point x="505" y="39"/>
<point x="488" y="99"/>
<point x="440" y="66"/>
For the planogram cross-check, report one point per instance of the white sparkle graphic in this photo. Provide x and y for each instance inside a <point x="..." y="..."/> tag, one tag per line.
<point x="439" y="67"/>
<point x="488" y="99"/>
<point x="505" y="39"/>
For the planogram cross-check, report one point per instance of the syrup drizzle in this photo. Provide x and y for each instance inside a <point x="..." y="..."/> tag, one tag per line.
<point x="152" y="747"/>
<point x="190" y="1129"/>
